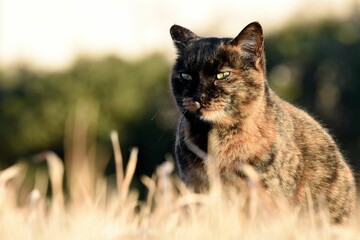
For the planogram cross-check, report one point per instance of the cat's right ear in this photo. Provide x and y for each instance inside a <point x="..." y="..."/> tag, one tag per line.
<point x="181" y="35"/>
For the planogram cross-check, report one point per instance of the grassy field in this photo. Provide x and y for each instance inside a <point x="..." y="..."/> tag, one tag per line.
<point x="92" y="208"/>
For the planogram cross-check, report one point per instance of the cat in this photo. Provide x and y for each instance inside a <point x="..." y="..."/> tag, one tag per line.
<point x="229" y="112"/>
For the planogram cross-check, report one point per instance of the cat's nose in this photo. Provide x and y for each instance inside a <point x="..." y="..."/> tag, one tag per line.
<point x="202" y="97"/>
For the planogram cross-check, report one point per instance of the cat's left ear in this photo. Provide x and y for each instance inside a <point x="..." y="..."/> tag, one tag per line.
<point x="250" y="39"/>
<point x="181" y="35"/>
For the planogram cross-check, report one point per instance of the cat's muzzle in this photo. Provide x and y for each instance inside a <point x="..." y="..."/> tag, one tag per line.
<point x="191" y="105"/>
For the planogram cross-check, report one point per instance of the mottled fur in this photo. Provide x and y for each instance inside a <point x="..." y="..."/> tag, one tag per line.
<point x="239" y="119"/>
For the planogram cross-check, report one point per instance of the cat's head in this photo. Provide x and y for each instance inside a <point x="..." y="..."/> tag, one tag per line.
<point x="218" y="80"/>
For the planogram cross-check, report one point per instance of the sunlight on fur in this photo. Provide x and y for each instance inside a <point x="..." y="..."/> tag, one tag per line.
<point x="92" y="209"/>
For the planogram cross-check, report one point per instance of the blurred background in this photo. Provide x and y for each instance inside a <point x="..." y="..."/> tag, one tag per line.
<point x="115" y="57"/>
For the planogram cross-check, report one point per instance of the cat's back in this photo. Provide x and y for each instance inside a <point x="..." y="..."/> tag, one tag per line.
<point x="308" y="134"/>
<point x="325" y="170"/>
<point x="305" y="129"/>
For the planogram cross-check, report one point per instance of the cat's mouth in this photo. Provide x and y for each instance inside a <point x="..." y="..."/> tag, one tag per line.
<point x="191" y="105"/>
<point x="194" y="106"/>
<point x="214" y="113"/>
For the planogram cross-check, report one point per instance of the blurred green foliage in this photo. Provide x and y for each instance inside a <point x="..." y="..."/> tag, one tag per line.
<point x="131" y="98"/>
<point x="316" y="66"/>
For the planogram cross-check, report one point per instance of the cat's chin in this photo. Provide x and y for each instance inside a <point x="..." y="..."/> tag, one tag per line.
<point x="215" y="116"/>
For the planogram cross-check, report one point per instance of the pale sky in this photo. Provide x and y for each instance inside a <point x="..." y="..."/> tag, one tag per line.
<point x="51" y="33"/>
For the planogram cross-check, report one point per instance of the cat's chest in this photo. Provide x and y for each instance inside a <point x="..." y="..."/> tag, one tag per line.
<point x="226" y="150"/>
<point x="222" y="150"/>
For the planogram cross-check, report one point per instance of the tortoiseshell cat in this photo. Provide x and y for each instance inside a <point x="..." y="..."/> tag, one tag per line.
<point x="229" y="111"/>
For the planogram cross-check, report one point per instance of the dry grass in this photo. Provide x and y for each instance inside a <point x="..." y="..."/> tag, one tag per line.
<point x="94" y="210"/>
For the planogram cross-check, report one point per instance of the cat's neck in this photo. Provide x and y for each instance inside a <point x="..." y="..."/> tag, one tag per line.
<point x="247" y="138"/>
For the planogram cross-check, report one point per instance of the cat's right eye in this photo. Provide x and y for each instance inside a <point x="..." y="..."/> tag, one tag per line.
<point x="186" y="76"/>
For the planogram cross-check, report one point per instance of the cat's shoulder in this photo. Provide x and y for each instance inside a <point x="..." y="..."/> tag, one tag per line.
<point x="290" y="109"/>
<point x="303" y="122"/>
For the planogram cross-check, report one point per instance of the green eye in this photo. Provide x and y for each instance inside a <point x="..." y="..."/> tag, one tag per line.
<point x="186" y="76"/>
<point x="222" y="75"/>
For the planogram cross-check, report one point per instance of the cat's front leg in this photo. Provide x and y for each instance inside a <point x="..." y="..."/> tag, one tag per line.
<point x="192" y="169"/>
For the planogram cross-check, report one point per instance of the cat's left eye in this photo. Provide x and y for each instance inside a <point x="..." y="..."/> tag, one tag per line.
<point x="222" y="75"/>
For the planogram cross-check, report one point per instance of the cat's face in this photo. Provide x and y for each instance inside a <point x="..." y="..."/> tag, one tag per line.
<point x="218" y="79"/>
